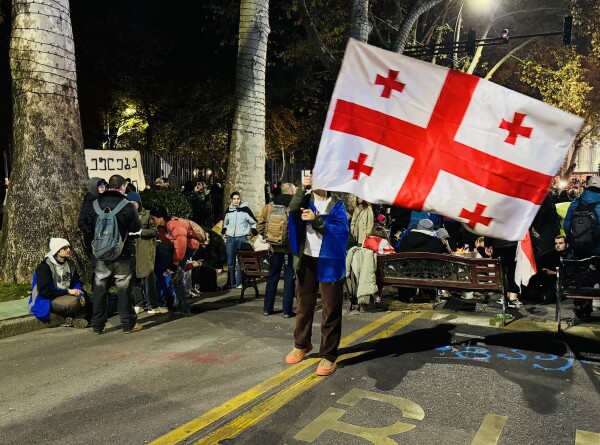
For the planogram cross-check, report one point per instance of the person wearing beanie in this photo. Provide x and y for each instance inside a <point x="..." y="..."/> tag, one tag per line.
<point x="144" y="281"/>
<point x="56" y="288"/>
<point x="422" y="239"/>
<point x="444" y="236"/>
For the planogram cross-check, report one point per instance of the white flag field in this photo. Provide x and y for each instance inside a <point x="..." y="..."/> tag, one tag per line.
<point x="408" y="133"/>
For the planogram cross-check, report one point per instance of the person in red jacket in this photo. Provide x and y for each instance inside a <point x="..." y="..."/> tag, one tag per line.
<point x="177" y="243"/>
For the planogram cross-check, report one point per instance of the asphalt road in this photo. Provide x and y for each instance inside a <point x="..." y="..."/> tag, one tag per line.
<point x="219" y="377"/>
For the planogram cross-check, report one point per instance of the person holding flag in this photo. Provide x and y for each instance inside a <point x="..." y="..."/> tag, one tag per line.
<point x="318" y="227"/>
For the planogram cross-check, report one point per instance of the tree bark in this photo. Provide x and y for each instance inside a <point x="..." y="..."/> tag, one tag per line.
<point x="45" y="192"/>
<point x="359" y="26"/>
<point x="570" y="163"/>
<point x="246" y="163"/>
<point x="409" y="21"/>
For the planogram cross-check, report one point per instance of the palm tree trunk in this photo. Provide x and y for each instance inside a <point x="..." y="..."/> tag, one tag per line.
<point x="359" y="26"/>
<point x="409" y="21"/>
<point x="49" y="171"/>
<point x="246" y="162"/>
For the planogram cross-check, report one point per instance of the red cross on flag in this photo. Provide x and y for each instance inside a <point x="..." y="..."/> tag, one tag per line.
<point x="416" y="135"/>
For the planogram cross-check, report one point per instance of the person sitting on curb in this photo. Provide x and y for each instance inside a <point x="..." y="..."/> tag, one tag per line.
<point x="57" y="289"/>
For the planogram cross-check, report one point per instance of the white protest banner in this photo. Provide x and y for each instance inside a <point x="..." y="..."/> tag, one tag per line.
<point x="105" y="163"/>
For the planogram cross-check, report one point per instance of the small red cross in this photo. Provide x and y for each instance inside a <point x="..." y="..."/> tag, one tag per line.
<point x="476" y="217"/>
<point x="389" y="83"/>
<point x="360" y="167"/>
<point x="515" y="128"/>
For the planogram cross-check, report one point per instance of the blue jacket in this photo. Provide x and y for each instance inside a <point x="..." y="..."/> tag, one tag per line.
<point x="333" y="225"/>
<point x="589" y="196"/>
<point x="238" y="221"/>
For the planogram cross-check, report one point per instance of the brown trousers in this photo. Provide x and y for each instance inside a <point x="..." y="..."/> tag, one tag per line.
<point x="332" y="295"/>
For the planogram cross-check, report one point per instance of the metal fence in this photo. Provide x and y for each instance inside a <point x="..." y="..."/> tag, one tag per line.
<point x="178" y="169"/>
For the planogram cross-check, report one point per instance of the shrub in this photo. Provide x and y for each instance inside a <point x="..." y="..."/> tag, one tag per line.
<point x="172" y="200"/>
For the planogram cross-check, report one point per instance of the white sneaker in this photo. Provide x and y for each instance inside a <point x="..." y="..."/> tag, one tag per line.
<point x="515" y="304"/>
<point x="158" y="310"/>
<point x="239" y="287"/>
<point x="138" y="309"/>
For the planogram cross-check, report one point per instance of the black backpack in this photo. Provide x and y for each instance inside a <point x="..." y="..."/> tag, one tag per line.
<point x="584" y="231"/>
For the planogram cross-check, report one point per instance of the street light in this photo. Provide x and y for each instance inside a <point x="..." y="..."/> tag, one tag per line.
<point x="478" y="5"/>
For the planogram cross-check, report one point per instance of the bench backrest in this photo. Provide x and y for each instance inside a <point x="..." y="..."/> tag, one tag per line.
<point x="440" y="271"/>
<point x="577" y="278"/>
<point x="254" y="263"/>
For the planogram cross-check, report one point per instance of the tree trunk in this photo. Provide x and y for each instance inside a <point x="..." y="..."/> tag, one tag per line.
<point x="49" y="170"/>
<point x="570" y="163"/>
<point x="359" y="26"/>
<point x="246" y="163"/>
<point x="409" y="21"/>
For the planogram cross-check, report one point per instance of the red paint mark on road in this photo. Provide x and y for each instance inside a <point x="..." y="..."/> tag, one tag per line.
<point x="149" y="357"/>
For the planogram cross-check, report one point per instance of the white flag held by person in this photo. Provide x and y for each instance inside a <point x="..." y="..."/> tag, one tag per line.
<point x="525" y="259"/>
<point x="412" y="134"/>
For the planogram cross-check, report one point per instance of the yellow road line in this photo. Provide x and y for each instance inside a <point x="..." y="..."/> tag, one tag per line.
<point x="586" y="438"/>
<point x="275" y="402"/>
<point x="490" y="430"/>
<point x="195" y="425"/>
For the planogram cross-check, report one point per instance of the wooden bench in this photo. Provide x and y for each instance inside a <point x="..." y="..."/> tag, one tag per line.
<point x="441" y="271"/>
<point x="575" y="279"/>
<point x="253" y="264"/>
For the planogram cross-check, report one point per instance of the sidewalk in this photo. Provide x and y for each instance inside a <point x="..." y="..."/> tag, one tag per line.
<point x="15" y="318"/>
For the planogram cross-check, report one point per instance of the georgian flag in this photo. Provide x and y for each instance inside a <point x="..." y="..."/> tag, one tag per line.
<point x="412" y="134"/>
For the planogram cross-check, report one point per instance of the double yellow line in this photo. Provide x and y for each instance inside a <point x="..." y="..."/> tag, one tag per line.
<point x="270" y="405"/>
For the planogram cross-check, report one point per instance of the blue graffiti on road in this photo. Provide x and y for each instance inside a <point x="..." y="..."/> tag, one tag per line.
<point x="479" y="353"/>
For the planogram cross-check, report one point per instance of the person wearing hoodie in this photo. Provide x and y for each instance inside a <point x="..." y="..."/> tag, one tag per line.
<point x="87" y="215"/>
<point x="422" y="239"/>
<point x="145" y="253"/>
<point x="238" y="223"/>
<point x="57" y="289"/>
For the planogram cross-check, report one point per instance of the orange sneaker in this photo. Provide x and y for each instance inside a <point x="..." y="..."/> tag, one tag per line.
<point x="297" y="355"/>
<point x="326" y="367"/>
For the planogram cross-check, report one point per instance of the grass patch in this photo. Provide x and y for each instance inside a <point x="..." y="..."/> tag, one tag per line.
<point x="10" y="292"/>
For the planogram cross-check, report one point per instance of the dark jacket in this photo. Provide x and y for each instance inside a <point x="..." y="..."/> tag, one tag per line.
<point x="589" y="196"/>
<point x="547" y="224"/>
<point x="417" y="241"/>
<point x="86" y="213"/>
<point x="127" y="219"/>
<point x="45" y="282"/>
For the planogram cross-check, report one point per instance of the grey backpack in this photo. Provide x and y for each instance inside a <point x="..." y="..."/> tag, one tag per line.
<point x="107" y="244"/>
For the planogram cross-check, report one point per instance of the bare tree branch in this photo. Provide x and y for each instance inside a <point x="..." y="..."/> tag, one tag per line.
<point x="326" y="58"/>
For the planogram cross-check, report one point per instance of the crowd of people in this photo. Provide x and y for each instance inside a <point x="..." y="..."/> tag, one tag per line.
<point x="155" y="259"/>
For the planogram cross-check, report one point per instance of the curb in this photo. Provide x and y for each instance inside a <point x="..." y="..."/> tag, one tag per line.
<point x="28" y="323"/>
